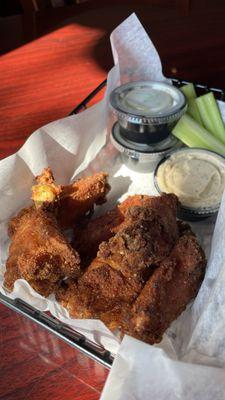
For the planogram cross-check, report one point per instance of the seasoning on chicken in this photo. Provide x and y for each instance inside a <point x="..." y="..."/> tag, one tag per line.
<point x="88" y="236"/>
<point x="39" y="252"/>
<point x="123" y="264"/>
<point x="168" y="291"/>
<point x="69" y="202"/>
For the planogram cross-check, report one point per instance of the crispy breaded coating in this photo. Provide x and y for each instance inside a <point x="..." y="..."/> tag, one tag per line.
<point x="144" y="276"/>
<point x="168" y="291"/>
<point x="15" y="221"/>
<point x="97" y="292"/>
<point x="141" y="266"/>
<point x="12" y="273"/>
<point x="88" y="236"/>
<point x="66" y="293"/>
<point x="71" y="202"/>
<point x="39" y="252"/>
<point x="46" y="177"/>
<point x="123" y="264"/>
<point x="144" y="239"/>
<point x="80" y="304"/>
<point x="80" y="197"/>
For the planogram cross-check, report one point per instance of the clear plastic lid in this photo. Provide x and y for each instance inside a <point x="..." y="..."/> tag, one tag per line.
<point x="148" y="102"/>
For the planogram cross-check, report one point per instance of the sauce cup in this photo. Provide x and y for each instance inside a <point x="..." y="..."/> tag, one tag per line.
<point x="146" y="110"/>
<point x="146" y="114"/>
<point x="197" y="177"/>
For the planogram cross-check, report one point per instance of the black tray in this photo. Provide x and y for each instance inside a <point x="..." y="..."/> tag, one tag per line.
<point x="70" y="336"/>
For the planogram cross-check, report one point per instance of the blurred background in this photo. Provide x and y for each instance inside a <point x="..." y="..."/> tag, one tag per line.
<point x="24" y="20"/>
<point x="55" y="52"/>
<point x="192" y="30"/>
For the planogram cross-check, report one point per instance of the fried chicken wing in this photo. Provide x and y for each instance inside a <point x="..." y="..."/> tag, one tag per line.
<point x="123" y="264"/>
<point x="39" y="252"/>
<point x="15" y="221"/>
<point x="88" y="236"/>
<point x="97" y="292"/>
<point x="168" y="291"/>
<point x="144" y="239"/>
<point x="145" y="275"/>
<point x="80" y="197"/>
<point x="69" y="202"/>
<point x="142" y="265"/>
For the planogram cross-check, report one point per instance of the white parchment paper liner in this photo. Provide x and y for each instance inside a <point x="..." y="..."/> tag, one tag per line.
<point x="142" y="372"/>
<point x="79" y="145"/>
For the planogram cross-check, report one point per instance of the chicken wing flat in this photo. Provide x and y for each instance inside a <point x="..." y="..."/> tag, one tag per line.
<point x="39" y="252"/>
<point x="80" y="197"/>
<point x="69" y="202"/>
<point x="123" y="264"/>
<point x="88" y="236"/>
<point x="168" y="291"/>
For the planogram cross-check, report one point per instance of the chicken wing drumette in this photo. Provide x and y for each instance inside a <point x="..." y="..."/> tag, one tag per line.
<point x="39" y="252"/>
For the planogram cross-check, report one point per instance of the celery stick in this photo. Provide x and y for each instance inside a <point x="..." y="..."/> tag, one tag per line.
<point x="211" y="116"/>
<point x="194" y="135"/>
<point x="189" y="91"/>
<point x="190" y="94"/>
<point x="193" y="111"/>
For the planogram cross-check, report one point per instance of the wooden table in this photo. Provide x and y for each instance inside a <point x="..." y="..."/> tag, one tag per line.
<point x="43" y="81"/>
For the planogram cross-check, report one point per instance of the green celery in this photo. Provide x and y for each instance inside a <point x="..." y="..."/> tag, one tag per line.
<point x="190" y="94"/>
<point x="194" y="135"/>
<point x="189" y="91"/>
<point x="193" y="111"/>
<point x="211" y="116"/>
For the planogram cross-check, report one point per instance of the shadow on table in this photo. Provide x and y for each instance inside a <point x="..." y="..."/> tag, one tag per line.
<point x="178" y="28"/>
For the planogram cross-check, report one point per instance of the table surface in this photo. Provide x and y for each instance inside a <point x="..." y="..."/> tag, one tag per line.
<point x="43" y="81"/>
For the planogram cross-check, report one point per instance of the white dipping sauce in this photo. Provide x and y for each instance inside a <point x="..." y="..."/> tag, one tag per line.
<point x="148" y="100"/>
<point x="197" y="177"/>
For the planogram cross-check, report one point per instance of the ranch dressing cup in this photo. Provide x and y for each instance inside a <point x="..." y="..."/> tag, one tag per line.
<point x="197" y="177"/>
<point x="147" y="112"/>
